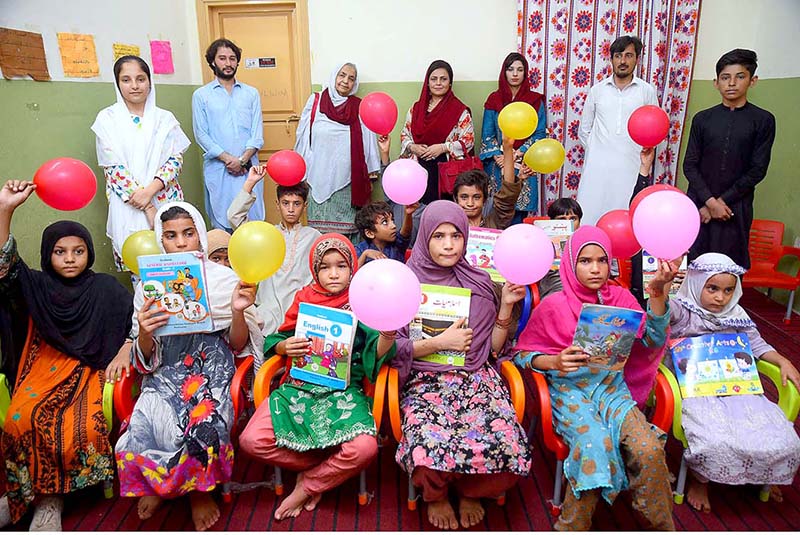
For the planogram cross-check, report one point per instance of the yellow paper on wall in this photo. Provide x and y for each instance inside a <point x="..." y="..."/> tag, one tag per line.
<point x="78" y="55"/>
<point x="121" y="49"/>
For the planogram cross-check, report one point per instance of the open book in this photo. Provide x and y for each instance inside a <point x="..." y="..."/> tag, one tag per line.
<point x="606" y="334"/>
<point x="441" y="307"/>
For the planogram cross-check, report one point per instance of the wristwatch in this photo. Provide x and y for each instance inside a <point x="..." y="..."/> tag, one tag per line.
<point x="242" y="161"/>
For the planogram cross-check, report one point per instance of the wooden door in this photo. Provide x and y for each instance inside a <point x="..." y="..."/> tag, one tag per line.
<point x="273" y="36"/>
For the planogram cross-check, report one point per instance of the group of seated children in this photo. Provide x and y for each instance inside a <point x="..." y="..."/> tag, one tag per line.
<point x="67" y="330"/>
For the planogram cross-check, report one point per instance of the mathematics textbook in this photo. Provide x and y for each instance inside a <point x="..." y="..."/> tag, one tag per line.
<point x="606" y="334"/>
<point x="480" y="251"/>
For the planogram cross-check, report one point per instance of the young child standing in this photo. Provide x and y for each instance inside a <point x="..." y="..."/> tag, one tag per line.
<point x="327" y="435"/>
<point x="734" y="440"/>
<point x="275" y="294"/>
<point x="376" y="224"/>
<point x="612" y="446"/>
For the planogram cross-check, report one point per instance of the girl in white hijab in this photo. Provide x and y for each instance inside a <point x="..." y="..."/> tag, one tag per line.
<point x="140" y="148"/>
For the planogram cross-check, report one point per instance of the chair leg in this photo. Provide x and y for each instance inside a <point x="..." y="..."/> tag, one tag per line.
<point x="278" y="482"/>
<point x="763" y="494"/>
<point x="681" y="485"/>
<point x="108" y="489"/>
<point x="789" y="307"/>
<point x="227" y="496"/>
<point x="555" y="508"/>
<point x="769" y="293"/>
<point x="412" y="496"/>
<point x="363" y="497"/>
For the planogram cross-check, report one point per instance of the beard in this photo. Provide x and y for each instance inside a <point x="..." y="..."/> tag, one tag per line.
<point x="220" y="74"/>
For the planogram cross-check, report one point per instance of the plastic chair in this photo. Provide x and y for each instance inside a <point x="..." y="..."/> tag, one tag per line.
<point x="516" y="389"/>
<point x="788" y="401"/>
<point x="275" y="366"/>
<point x="766" y="251"/>
<point x="661" y="398"/>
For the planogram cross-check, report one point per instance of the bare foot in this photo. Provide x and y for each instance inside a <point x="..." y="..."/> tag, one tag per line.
<point x="148" y="505"/>
<point x="442" y="515"/>
<point x="471" y="512"/>
<point x="293" y="504"/>
<point x="697" y="496"/>
<point x="205" y="511"/>
<point x="775" y="493"/>
<point x="313" y="500"/>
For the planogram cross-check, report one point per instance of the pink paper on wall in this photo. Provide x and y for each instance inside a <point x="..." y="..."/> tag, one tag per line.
<point x="161" y="54"/>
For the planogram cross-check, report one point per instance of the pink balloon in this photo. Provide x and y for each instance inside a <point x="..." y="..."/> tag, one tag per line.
<point x="648" y="125"/>
<point x="666" y="224"/>
<point x="405" y="181"/>
<point x="378" y="111"/>
<point x="385" y="294"/>
<point x="523" y="254"/>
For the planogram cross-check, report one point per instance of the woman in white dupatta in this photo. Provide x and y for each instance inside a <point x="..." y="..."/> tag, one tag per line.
<point x="140" y="148"/>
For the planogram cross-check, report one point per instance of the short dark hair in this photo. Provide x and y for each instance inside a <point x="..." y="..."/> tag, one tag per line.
<point x="173" y="213"/>
<point x="623" y="42"/>
<point x="300" y="189"/>
<point x="473" y="177"/>
<point x="365" y="218"/>
<point x="739" y="56"/>
<point x="564" y="206"/>
<point x="211" y="52"/>
<point x="128" y="59"/>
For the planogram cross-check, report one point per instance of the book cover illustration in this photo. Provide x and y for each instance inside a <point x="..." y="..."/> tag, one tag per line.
<point x="480" y="251"/>
<point x="606" y="334"/>
<point x="331" y="332"/>
<point x="177" y="281"/>
<point x="649" y="268"/>
<point x="559" y="231"/>
<point x="441" y="306"/>
<point x="715" y="365"/>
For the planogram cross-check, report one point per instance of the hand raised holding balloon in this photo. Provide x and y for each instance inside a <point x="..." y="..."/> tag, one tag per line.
<point x="512" y="293"/>
<point x="254" y="176"/>
<point x="455" y="337"/>
<point x="243" y="296"/>
<point x="14" y="193"/>
<point x="646" y="158"/>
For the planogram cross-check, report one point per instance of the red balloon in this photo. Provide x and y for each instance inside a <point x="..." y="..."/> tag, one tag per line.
<point x="648" y="125"/>
<point x="65" y="183"/>
<point x="286" y="167"/>
<point x="617" y="224"/>
<point x="378" y="111"/>
<point x="647" y="191"/>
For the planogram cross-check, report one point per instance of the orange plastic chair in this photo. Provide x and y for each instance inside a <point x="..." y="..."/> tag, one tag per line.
<point x="515" y="386"/>
<point x="625" y="271"/>
<point x="766" y="251"/>
<point x="272" y="370"/>
<point x="662" y="417"/>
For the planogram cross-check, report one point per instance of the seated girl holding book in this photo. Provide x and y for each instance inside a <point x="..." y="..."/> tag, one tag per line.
<point x="612" y="446"/>
<point x="459" y="427"/>
<point x="327" y="435"/>
<point x="742" y="439"/>
<point x="178" y="439"/>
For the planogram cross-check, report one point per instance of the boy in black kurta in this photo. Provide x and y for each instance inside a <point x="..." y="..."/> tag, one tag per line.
<point x="727" y="155"/>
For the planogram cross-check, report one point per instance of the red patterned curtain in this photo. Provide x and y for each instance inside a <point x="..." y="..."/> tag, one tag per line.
<point x="567" y="45"/>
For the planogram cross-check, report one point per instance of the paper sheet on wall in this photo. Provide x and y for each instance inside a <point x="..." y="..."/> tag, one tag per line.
<point x="22" y="54"/>
<point x="121" y="49"/>
<point x="78" y="55"/>
<point x="161" y="54"/>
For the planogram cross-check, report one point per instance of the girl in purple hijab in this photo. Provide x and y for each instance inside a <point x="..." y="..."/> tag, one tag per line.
<point x="459" y="427"/>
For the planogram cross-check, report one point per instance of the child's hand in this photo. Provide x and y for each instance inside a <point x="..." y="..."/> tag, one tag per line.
<point x="373" y="254"/>
<point x="243" y="296"/>
<point x="256" y="174"/>
<point x="384" y="144"/>
<point x="512" y="293"/>
<point x="789" y="373"/>
<point x="14" y="193"/>
<point x="411" y="208"/>
<point x="664" y="275"/>
<point x="525" y="172"/>
<point x="508" y="143"/>
<point x="455" y="337"/>
<point x="296" y="347"/>
<point x="150" y="317"/>
<point x="646" y="158"/>
<point x="120" y="366"/>
<point x="570" y="359"/>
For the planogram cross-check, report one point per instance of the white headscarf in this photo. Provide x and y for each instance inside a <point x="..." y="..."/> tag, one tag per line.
<point x="142" y="149"/>
<point x="336" y="98"/>
<point x="700" y="270"/>
<point x="220" y="283"/>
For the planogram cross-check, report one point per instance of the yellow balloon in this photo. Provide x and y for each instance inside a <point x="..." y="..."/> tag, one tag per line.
<point x="518" y="120"/>
<point x="545" y="156"/>
<point x="256" y="251"/>
<point x="139" y="244"/>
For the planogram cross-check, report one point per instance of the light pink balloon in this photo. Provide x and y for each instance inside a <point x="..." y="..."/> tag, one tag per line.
<point x="385" y="294"/>
<point x="405" y="181"/>
<point x="666" y="224"/>
<point x="523" y="254"/>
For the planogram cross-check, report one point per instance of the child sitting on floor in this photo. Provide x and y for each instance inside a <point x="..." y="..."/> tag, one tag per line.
<point x="327" y="435"/>
<point x="612" y="446"/>
<point x="737" y="440"/>
<point x="376" y="224"/>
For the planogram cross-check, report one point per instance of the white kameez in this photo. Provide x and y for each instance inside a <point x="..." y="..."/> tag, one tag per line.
<point x="611" y="163"/>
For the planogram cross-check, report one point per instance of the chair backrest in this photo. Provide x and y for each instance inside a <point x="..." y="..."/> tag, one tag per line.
<point x="766" y="241"/>
<point x="625" y="271"/>
<point x="530" y="220"/>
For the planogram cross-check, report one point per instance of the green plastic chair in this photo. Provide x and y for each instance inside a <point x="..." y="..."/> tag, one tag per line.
<point x="788" y="401"/>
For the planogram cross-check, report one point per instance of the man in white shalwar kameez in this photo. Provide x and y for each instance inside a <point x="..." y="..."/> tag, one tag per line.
<point x="611" y="162"/>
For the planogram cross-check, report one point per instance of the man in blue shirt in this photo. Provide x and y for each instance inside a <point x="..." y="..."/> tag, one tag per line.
<point x="227" y="124"/>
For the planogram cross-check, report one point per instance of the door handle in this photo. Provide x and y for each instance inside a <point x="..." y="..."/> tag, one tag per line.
<point x="291" y="118"/>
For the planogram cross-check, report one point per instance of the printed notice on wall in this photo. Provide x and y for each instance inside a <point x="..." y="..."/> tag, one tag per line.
<point x="78" y="55"/>
<point x="259" y="63"/>
<point x="121" y="49"/>
<point x="22" y="54"/>
<point x="161" y="54"/>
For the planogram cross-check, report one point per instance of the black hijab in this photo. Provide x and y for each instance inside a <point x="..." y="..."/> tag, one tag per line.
<point x="86" y="317"/>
